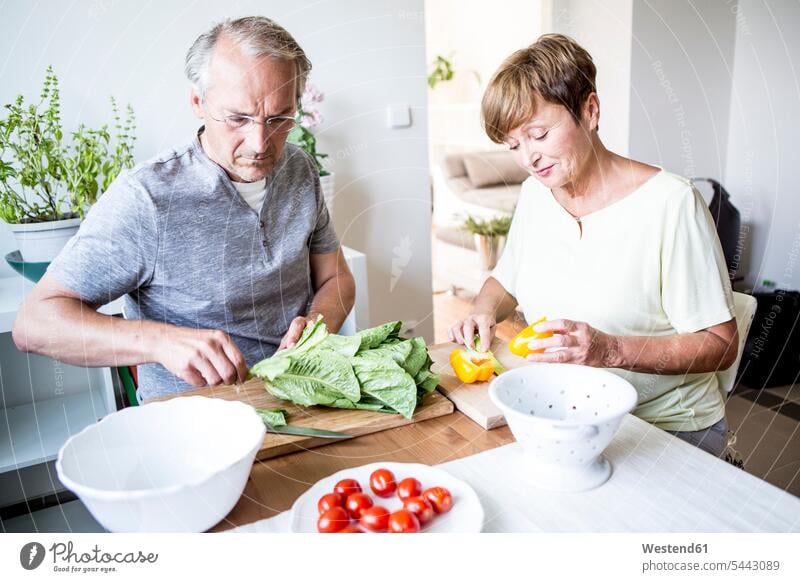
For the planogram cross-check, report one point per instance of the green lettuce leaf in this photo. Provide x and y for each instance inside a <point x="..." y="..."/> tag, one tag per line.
<point x="272" y="416"/>
<point x="427" y="381"/>
<point x="372" y="405"/>
<point x="271" y="368"/>
<point x="314" y="334"/>
<point x="321" y="377"/>
<point x="375" y="336"/>
<point x="374" y="370"/>
<point x="396" y="351"/>
<point x="418" y="356"/>
<point x="384" y="380"/>
<point x="342" y="344"/>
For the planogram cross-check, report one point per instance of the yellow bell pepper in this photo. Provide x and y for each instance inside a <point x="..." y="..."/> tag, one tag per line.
<point x="519" y="343"/>
<point x="472" y="366"/>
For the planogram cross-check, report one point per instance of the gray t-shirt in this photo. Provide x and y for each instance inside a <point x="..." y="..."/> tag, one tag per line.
<point x="178" y="240"/>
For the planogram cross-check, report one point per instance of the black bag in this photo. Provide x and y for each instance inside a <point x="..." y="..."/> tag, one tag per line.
<point x="771" y="355"/>
<point x="728" y="222"/>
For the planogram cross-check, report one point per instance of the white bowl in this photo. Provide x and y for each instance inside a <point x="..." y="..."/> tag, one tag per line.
<point x="564" y="415"/>
<point x="173" y="466"/>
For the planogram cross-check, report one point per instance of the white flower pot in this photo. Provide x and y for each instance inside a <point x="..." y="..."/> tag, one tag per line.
<point x="40" y="242"/>
<point x="490" y="248"/>
<point x="326" y="182"/>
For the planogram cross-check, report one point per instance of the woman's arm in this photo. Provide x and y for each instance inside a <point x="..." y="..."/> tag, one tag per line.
<point x="492" y="305"/>
<point x="708" y="350"/>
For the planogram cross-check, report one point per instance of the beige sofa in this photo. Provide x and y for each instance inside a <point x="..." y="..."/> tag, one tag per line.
<point x="480" y="184"/>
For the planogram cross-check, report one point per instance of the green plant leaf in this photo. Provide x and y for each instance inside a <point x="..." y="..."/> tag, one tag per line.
<point x="498" y="226"/>
<point x="31" y="141"/>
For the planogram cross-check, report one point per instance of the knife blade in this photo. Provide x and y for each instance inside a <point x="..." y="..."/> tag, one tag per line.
<point x="307" y="431"/>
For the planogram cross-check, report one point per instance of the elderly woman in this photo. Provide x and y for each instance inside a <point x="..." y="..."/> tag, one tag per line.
<point x="622" y="256"/>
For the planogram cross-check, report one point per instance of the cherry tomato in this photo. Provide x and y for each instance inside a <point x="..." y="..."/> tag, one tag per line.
<point x="351" y="529"/>
<point x="329" y="500"/>
<point x="420" y="507"/>
<point x="382" y="483"/>
<point x="403" y="521"/>
<point x="440" y="498"/>
<point x="375" y="519"/>
<point x="347" y="487"/>
<point x="333" y="520"/>
<point x="357" y="503"/>
<point x="408" y="487"/>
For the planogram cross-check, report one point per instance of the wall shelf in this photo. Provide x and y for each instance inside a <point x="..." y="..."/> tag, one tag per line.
<point x="33" y="433"/>
<point x="42" y="401"/>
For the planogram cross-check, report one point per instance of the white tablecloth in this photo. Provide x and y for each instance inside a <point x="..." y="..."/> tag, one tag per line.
<point x="659" y="484"/>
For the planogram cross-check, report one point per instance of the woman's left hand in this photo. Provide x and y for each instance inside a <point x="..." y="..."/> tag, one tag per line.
<point x="577" y="342"/>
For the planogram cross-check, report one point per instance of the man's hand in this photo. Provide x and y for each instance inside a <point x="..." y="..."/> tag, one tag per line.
<point x="201" y="357"/>
<point x="295" y="331"/>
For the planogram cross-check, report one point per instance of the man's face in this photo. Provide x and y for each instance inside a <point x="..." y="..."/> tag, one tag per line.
<point x="255" y="87"/>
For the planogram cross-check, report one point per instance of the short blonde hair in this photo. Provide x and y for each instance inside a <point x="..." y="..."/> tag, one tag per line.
<point x="555" y="68"/>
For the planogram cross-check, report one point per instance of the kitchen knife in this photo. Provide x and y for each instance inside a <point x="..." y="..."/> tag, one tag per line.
<point x="307" y="431"/>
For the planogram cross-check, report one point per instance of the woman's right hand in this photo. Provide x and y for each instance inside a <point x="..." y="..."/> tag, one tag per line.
<point x="463" y="332"/>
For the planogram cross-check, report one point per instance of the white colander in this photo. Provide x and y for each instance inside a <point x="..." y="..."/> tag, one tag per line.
<point x="564" y="415"/>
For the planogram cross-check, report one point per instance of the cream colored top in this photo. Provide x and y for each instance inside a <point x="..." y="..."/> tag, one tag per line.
<point x="649" y="264"/>
<point x="252" y="192"/>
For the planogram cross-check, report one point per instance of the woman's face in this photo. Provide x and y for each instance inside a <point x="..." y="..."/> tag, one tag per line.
<point x="552" y="146"/>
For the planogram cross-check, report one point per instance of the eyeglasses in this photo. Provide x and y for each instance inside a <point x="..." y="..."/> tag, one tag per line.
<point x="244" y="123"/>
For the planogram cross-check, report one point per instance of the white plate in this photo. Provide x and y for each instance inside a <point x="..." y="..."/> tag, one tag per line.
<point x="466" y="515"/>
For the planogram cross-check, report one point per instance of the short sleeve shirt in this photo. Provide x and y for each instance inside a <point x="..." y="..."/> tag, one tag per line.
<point x="181" y="244"/>
<point x="649" y="264"/>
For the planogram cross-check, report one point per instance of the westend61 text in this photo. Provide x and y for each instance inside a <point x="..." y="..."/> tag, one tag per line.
<point x="673" y="549"/>
<point x="65" y="553"/>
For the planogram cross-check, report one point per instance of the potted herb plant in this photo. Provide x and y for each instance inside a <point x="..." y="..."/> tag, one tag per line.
<point x="47" y="185"/>
<point x="490" y="237"/>
<point x="309" y="117"/>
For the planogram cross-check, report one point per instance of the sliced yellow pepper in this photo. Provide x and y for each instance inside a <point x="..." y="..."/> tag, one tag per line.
<point x="473" y="366"/>
<point x="519" y="343"/>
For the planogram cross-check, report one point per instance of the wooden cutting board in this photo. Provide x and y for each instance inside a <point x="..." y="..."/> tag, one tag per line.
<point x="354" y="422"/>
<point x="472" y="399"/>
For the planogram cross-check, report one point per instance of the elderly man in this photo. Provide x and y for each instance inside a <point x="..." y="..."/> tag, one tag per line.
<point x="223" y="246"/>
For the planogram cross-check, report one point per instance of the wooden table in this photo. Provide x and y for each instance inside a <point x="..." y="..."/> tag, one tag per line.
<point x="659" y="483"/>
<point x="274" y="484"/>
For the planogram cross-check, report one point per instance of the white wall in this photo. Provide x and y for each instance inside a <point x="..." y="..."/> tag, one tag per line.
<point x="681" y="84"/>
<point x="478" y="36"/>
<point x="763" y="170"/>
<point x="366" y="54"/>
<point x="603" y="27"/>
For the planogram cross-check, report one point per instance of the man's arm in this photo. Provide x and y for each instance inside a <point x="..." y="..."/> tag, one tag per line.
<point x="55" y="322"/>
<point x="334" y="295"/>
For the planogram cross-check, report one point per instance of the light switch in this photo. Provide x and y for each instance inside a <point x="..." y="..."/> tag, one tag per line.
<point x="398" y="115"/>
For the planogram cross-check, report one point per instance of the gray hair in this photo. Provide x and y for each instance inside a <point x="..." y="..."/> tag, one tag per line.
<point x="257" y="36"/>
